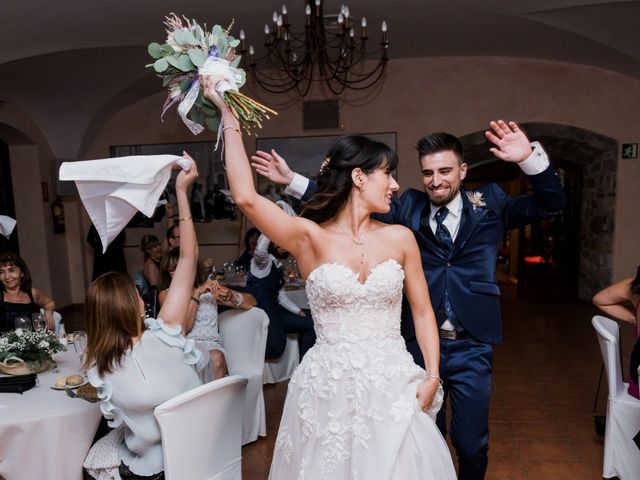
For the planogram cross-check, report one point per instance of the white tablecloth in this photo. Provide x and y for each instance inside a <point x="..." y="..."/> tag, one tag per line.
<point x="44" y="434"/>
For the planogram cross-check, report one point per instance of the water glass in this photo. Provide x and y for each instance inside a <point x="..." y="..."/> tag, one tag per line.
<point x="39" y="322"/>
<point x="80" y="343"/>
<point x="22" y="322"/>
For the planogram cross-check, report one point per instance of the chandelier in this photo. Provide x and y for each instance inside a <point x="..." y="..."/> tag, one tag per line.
<point x="331" y="49"/>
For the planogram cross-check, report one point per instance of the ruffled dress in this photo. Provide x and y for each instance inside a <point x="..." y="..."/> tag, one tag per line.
<point x="162" y="365"/>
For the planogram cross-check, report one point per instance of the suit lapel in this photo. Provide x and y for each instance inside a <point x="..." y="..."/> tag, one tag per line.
<point x="468" y="222"/>
<point x="416" y="217"/>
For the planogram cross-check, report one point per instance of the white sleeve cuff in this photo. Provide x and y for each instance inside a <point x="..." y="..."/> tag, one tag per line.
<point x="287" y="303"/>
<point x="298" y="186"/>
<point x="535" y="163"/>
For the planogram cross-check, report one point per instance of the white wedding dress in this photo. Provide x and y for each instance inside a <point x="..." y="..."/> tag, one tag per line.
<point x="351" y="411"/>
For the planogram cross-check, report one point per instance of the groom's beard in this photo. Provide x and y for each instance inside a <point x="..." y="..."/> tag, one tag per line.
<point x="441" y="200"/>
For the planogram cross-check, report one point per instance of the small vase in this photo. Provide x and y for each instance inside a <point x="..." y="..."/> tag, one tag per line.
<point x="23" y="368"/>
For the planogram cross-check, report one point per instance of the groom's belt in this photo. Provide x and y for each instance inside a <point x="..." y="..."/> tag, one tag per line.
<point x="453" y="334"/>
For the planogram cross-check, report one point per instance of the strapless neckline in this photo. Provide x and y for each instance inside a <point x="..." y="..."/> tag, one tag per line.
<point x="355" y="274"/>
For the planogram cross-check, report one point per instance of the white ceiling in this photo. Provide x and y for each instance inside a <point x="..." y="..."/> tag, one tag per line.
<point x="592" y="32"/>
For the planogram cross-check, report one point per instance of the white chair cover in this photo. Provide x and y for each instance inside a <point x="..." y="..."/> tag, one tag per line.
<point x="244" y="338"/>
<point x="201" y="431"/>
<point x="621" y="455"/>
<point x="281" y="369"/>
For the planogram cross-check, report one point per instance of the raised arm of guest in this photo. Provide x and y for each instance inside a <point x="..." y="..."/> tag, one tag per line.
<point x="176" y="303"/>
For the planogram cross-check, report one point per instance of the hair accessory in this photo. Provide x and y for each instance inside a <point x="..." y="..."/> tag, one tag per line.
<point x="325" y="165"/>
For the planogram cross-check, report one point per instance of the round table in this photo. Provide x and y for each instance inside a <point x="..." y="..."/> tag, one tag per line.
<point x="44" y="433"/>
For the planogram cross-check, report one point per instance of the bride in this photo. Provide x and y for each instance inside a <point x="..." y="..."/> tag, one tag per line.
<point x="357" y="407"/>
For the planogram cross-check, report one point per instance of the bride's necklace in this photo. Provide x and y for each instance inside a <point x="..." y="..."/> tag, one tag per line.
<point x="359" y="240"/>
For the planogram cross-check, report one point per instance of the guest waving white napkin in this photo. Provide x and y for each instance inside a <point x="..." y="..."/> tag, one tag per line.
<point x="113" y="189"/>
<point x="7" y="224"/>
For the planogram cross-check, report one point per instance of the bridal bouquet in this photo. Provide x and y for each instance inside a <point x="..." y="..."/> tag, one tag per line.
<point x="26" y="347"/>
<point x="190" y="51"/>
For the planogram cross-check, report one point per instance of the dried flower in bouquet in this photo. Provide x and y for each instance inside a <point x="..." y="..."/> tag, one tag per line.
<point x="190" y="51"/>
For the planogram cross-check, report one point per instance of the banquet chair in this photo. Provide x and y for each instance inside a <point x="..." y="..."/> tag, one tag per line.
<point x="282" y="368"/>
<point x="621" y="455"/>
<point x="244" y="338"/>
<point x="201" y="431"/>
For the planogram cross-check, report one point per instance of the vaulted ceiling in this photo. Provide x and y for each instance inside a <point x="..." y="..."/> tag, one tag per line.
<point x="63" y="52"/>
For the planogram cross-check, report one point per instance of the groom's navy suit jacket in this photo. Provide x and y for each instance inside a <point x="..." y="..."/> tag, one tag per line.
<point x="469" y="270"/>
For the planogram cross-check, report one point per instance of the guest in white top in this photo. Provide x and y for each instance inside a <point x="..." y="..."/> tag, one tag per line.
<point x="202" y="317"/>
<point x="135" y="369"/>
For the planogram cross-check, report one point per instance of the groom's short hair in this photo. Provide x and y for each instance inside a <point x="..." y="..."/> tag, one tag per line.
<point x="439" y="142"/>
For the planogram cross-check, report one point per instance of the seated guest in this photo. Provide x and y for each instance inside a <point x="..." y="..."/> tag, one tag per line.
<point x="250" y="242"/>
<point x="202" y="317"/>
<point x="134" y="367"/>
<point x="152" y="250"/>
<point x="173" y="230"/>
<point x="18" y="298"/>
<point x="266" y="282"/>
<point x="622" y="301"/>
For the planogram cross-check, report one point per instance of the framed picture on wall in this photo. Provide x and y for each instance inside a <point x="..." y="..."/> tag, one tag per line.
<point x="305" y="155"/>
<point x="213" y="209"/>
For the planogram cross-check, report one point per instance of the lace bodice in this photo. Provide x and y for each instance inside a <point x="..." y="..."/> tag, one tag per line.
<point x="347" y="310"/>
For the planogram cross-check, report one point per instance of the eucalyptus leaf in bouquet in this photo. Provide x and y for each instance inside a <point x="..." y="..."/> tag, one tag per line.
<point x="190" y="51"/>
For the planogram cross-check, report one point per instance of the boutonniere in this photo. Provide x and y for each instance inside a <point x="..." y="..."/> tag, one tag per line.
<point x="476" y="199"/>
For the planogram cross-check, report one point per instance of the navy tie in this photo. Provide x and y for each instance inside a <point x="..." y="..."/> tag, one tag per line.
<point x="442" y="232"/>
<point x="444" y="237"/>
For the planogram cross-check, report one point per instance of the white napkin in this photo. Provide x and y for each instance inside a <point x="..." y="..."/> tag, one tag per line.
<point x="7" y="224"/>
<point x="113" y="189"/>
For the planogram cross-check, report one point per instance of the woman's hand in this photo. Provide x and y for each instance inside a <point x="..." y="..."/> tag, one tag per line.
<point x="209" y="83"/>
<point x="186" y="177"/>
<point x="426" y="392"/>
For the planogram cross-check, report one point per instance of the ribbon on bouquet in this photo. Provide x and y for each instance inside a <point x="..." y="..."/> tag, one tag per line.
<point x="112" y="190"/>
<point x="232" y="78"/>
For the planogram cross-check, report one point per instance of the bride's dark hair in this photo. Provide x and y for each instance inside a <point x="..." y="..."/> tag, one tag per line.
<point x="334" y="179"/>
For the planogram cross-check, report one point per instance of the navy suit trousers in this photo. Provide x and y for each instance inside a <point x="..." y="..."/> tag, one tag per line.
<point x="465" y="369"/>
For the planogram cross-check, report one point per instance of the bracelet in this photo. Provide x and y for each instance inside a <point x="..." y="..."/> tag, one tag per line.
<point x="437" y="378"/>
<point x="235" y="129"/>
<point x="238" y="300"/>
<point x="185" y="218"/>
<point x="195" y="300"/>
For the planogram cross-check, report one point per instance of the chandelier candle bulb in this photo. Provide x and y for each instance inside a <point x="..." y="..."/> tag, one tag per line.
<point x="330" y="49"/>
<point x="242" y="50"/>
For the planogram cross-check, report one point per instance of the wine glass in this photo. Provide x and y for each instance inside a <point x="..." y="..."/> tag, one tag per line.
<point x="80" y="343"/>
<point x="39" y="322"/>
<point x="22" y="322"/>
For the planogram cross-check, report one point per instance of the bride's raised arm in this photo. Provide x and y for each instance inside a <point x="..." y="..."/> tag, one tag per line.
<point x="290" y="233"/>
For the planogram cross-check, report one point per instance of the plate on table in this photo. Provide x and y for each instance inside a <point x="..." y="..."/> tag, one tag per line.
<point x="65" y="387"/>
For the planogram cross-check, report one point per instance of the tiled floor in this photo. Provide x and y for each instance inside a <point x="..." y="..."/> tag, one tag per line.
<point x="545" y="376"/>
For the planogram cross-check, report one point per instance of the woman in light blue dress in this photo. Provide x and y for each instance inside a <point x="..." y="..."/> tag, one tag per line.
<point x="137" y="367"/>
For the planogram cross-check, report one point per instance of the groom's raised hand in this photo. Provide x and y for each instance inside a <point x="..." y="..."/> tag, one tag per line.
<point x="272" y="166"/>
<point x="511" y="144"/>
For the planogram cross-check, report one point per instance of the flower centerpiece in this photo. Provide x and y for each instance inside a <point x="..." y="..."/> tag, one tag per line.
<point x="190" y="51"/>
<point x="24" y="351"/>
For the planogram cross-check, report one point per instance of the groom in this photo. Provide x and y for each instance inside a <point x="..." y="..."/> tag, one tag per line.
<point x="459" y="232"/>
